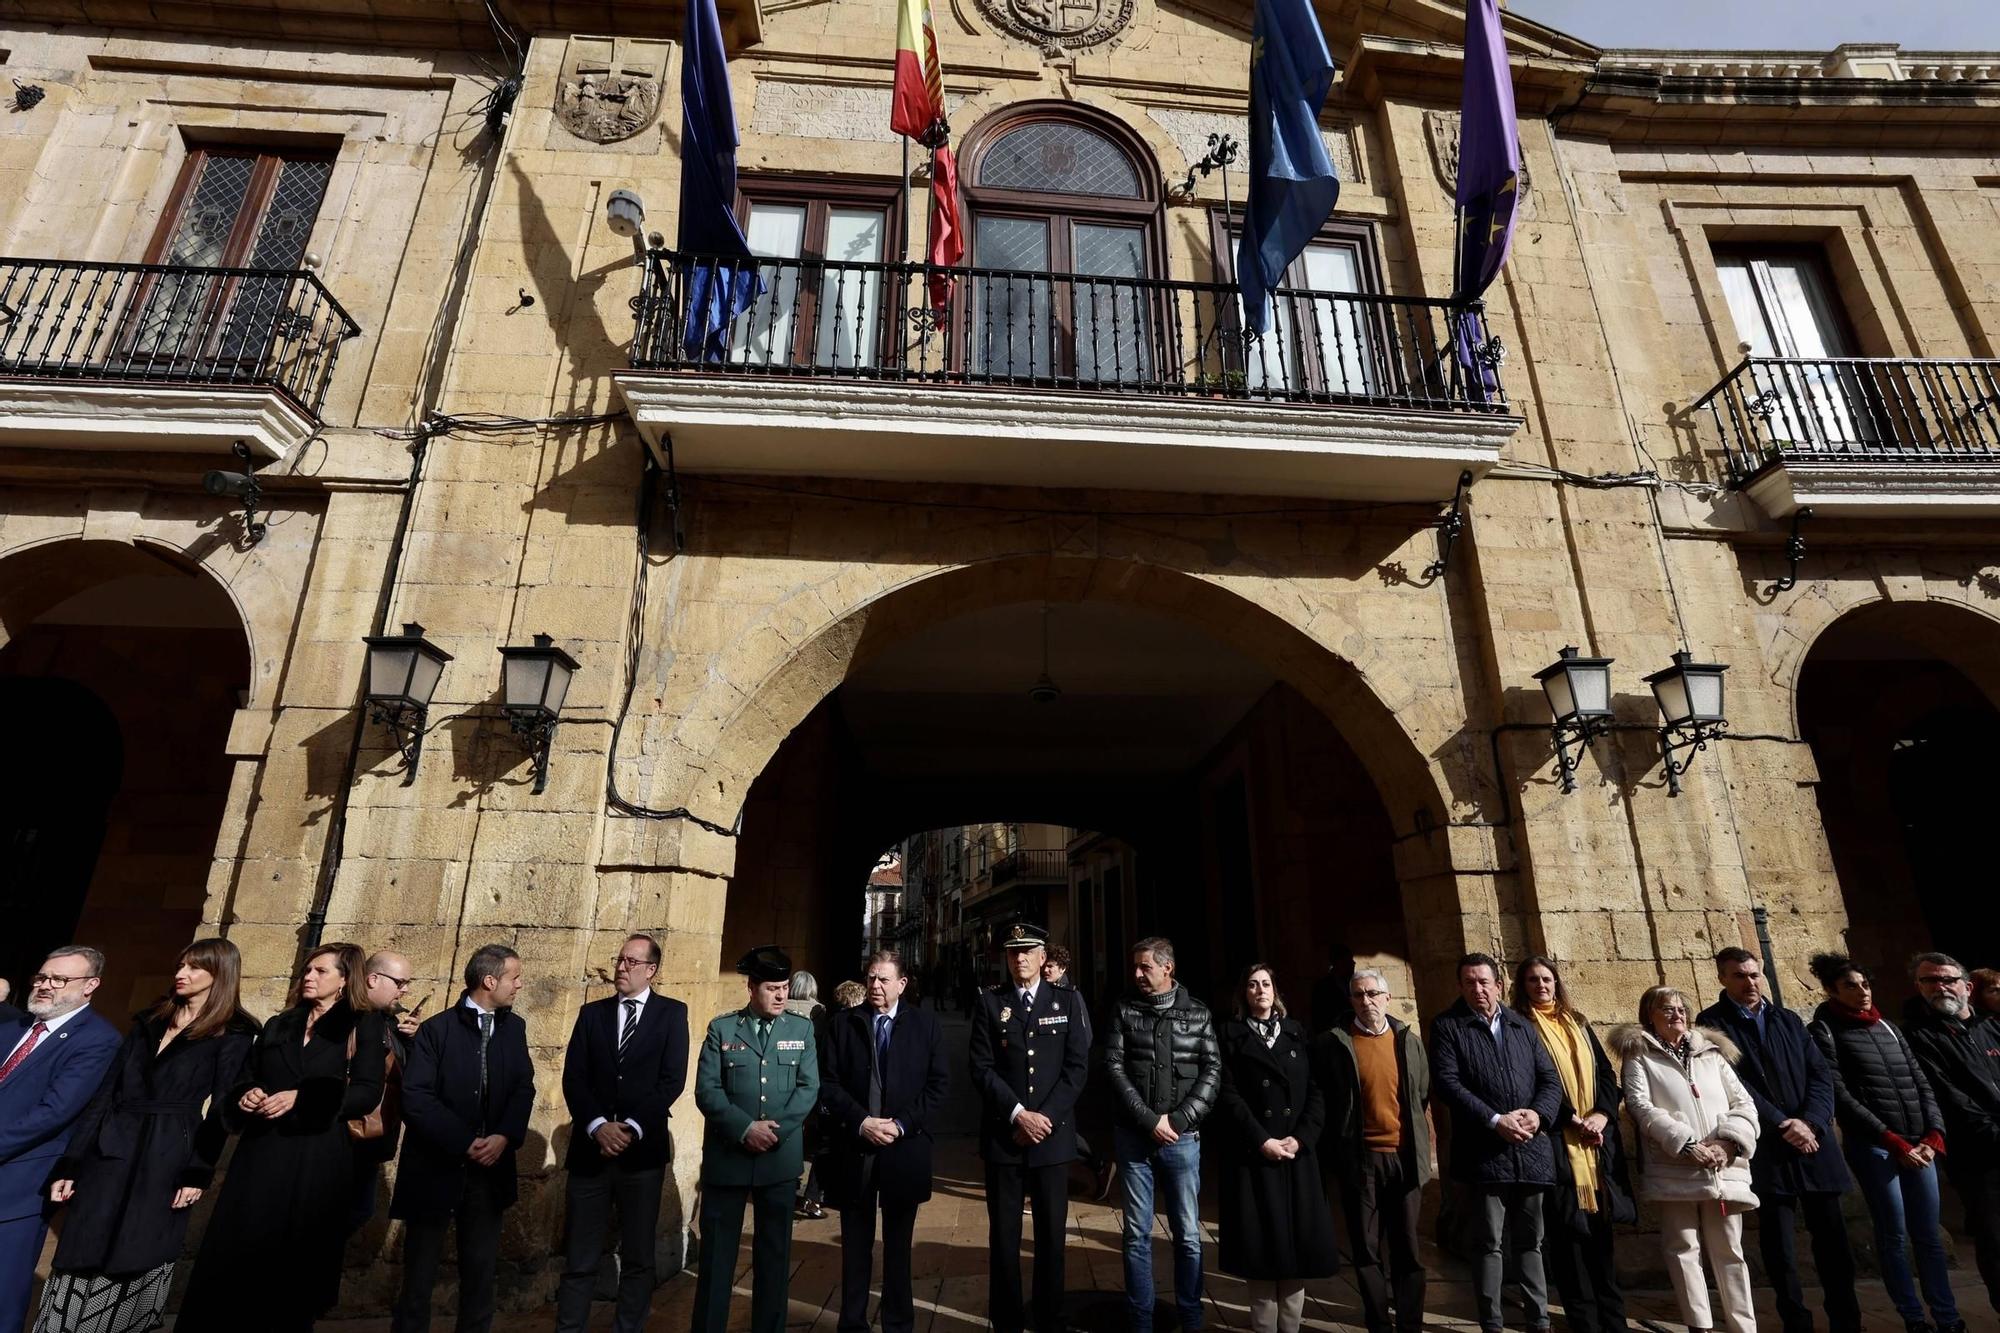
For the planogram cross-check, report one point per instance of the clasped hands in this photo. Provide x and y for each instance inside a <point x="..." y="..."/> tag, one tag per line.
<point x="269" y="1105"/>
<point x="62" y="1191"/>
<point x="486" y="1150"/>
<point x="762" y="1136"/>
<point x="1031" y="1127"/>
<point x="1518" y="1126"/>
<point x="1590" y="1128"/>
<point x="1280" y="1150"/>
<point x="613" y="1137"/>
<point x="880" y="1130"/>
<point x="1709" y="1154"/>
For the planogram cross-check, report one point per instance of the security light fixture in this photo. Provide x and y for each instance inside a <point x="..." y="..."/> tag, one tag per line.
<point x="403" y="672"/>
<point x="534" y="680"/>
<point x="1690" y="697"/>
<point x="1579" y="694"/>
<point x="625" y="214"/>
<point x="242" y="486"/>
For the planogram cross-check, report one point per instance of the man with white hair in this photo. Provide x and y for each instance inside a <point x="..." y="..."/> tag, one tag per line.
<point x="1959" y="1049"/>
<point x="51" y="1061"/>
<point x="1375" y="1076"/>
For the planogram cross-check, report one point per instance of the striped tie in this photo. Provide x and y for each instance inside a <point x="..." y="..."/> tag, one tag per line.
<point x="631" y="1024"/>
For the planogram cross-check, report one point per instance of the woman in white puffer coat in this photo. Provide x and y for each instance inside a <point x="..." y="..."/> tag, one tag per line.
<point x="1697" y="1130"/>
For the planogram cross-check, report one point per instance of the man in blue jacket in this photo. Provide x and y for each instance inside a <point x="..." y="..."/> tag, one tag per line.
<point x="466" y="1099"/>
<point x="51" y="1060"/>
<point x="1798" y="1168"/>
<point x="1491" y="1071"/>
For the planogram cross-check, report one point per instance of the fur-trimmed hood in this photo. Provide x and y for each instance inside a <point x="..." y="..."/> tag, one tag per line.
<point x="1630" y="1039"/>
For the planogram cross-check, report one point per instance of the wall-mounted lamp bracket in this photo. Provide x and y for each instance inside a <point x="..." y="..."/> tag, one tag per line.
<point x="1449" y="528"/>
<point x="1795" y="551"/>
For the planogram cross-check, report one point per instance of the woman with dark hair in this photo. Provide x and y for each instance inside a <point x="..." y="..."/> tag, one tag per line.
<point x="1277" y="1230"/>
<point x="1892" y="1134"/>
<point x="1590" y="1193"/>
<point x="1986" y="991"/>
<point x="271" y="1257"/>
<point x="143" y="1151"/>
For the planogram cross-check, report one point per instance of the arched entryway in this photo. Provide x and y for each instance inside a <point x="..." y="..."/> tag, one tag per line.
<point x="1898" y="701"/>
<point x="1248" y="775"/>
<point x="121" y="667"/>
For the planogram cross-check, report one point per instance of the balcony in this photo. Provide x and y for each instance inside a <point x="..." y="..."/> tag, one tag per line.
<point x="155" y="358"/>
<point x="1860" y="437"/>
<point x="1063" y="379"/>
<point x="1032" y="866"/>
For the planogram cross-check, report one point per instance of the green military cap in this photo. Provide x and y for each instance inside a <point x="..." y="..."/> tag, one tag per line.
<point x="766" y="962"/>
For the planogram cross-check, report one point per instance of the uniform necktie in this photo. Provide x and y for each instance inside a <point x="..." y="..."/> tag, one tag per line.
<point x="485" y="1038"/>
<point x="1027" y="1001"/>
<point x="21" y="1052"/>
<point x="882" y="1041"/>
<point x="631" y="1024"/>
<point x="763" y="1032"/>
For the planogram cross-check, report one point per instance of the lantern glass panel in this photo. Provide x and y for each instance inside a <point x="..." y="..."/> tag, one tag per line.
<point x="1561" y="702"/>
<point x="1592" y="687"/>
<point x="1672" y="692"/>
<point x="1704" y="690"/>
<point x="389" y="669"/>
<point x="424" y="678"/>
<point x="558" y="688"/>
<point x="525" y="680"/>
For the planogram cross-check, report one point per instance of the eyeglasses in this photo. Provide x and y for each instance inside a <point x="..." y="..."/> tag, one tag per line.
<point x="52" y="981"/>
<point x="1370" y="994"/>
<point x="1940" y="981"/>
<point x="401" y="983"/>
<point x="624" y="962"/>
<point x="1672" y="1011"/>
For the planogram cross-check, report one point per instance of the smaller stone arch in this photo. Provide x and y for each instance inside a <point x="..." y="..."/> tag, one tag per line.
<point x="1946" y="627"/>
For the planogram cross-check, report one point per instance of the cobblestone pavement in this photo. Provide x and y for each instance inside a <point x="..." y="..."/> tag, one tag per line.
<point x="950" y="1264"/>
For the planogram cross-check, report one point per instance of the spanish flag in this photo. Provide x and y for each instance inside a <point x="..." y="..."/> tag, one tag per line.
<point x="918" y="102"/>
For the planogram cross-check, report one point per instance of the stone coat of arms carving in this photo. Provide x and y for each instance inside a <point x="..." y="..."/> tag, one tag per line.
<point x="1059" y="25"/>
<point x="606" y="105"/>
<point x="1441" y="128"/>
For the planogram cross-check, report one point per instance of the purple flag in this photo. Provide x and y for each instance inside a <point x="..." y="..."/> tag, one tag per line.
<point x="1489" y="154"/>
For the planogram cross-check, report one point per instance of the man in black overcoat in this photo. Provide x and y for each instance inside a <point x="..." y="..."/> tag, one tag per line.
<point x="466" y="1099"/>
<point x="1797" y="1169"/>
<point x="626" y="1066"/>
<point x="1030" y="1058"/>
<point x="883" y="1077"/>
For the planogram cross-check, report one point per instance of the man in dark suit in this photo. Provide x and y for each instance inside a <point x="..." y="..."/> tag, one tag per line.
<point x="466" y="1099"/>
<point x="883" y="1076"/>
<point x="51" y="1061"/>
<point x="1030" y="1057"/>
<point x="626" y="1066"/>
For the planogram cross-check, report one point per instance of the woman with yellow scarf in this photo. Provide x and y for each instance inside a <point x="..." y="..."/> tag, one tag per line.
<point x="1590" y="1192"/>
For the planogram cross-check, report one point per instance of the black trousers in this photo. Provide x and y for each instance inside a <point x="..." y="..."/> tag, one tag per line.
<point x="1046" y="1189"/>
<point x="857" y="1262"/>
<point x="1576" y="1248"/>
<point x="1833" y="1258"/>
<point x="636" y="1194"/>
<point x="770" y="1254"/>
<point x="1382" y="1207"/>
<point x="478" y="1220"/>
<point x="1979" y="1187"/>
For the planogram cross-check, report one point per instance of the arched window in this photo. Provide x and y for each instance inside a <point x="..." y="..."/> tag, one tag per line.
<point x="1063" y="207"/>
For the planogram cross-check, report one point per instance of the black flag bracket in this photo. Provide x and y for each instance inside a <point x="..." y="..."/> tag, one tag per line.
<point x="1449" y="528"/>
<point x="1795" y="551"/>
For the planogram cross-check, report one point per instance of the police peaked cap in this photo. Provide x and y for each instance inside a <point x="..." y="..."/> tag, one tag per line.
<point x="766" y="962"/>
<point x="1025" y="936"/>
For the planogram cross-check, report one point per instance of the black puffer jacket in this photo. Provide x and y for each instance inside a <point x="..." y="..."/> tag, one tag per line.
<point x="1878" y="1086"/>
<point x="1962" y="1059"/>
<point x="1163" y="1061"/>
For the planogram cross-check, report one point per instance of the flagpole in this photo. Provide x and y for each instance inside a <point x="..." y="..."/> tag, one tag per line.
<point x="903" y="247"/>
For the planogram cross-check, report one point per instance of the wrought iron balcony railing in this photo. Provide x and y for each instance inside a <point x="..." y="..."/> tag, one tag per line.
<point x="1069" y="331"/>
<point x="1032" y="866"/>
<point x="1855" y="409"/>
<point x="155" y="323"/>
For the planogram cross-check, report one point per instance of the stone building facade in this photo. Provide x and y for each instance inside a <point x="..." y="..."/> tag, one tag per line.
<point x="812" y="601"/>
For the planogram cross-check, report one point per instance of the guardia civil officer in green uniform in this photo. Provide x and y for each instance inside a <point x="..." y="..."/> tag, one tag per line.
<point x="1030" y="1055"/>
<point x="755" y="1083"/>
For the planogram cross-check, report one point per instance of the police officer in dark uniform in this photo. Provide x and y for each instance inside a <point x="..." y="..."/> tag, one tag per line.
<point x="1030" y="1057"/>
<point x="755" y="1083"/>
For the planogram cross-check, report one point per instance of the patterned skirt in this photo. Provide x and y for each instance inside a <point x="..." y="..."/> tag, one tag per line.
<point x="86" y="1303"/>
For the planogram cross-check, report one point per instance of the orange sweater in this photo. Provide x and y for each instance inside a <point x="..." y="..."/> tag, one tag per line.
<point x="1381" y="1089"/>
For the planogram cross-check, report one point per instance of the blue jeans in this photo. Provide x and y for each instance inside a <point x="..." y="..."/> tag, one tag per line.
<point x="1178" y="1167"/>
<point x="1904" y="1207"/>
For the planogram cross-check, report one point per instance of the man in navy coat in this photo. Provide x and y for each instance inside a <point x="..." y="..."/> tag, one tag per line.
<point x="466" y="1099"/>
<point x="626" y="1066"/>
<point x="1797" y="1168"/>
<point x="51" y="1060"/>
<point x="883" y="1077"/>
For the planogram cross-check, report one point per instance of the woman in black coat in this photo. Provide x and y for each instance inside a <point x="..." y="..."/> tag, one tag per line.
<point x="271" y="1257"/>
<point x="1579" y="1213"/>
<point x="143" y="1151"/>
<point x="1277" y="1230"/>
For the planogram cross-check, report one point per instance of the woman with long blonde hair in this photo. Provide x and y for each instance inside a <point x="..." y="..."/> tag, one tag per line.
<point x="271" y="1257"/>
<point x="144" y="1150"/>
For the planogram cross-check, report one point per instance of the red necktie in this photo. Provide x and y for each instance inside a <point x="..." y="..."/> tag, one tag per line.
<point x="21" y="1052"/>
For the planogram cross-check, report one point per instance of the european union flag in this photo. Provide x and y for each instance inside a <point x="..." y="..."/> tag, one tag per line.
<point x="1292" y="182"/>
<point x="722" y="278"/>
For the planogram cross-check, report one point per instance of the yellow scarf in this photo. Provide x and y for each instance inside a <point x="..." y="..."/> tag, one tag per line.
<point x="1569" y="1047"/>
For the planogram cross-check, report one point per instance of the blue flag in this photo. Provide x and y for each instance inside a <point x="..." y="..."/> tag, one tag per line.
<point x="1292" y="182"/>
<point x="1489" y="184"/>
<point x="722" y="279"/>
